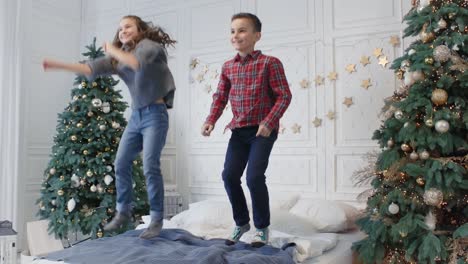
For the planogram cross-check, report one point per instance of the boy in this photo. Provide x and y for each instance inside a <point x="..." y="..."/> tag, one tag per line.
<point x="259" y="94"/>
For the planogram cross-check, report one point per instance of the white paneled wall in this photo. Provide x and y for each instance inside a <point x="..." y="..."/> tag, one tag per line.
<point x="312" y="38"/>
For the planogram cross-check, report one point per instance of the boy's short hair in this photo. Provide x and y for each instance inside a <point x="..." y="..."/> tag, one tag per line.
<point x="253" y="18"/>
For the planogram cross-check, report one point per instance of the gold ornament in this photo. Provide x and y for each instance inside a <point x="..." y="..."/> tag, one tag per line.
<point x="405" y="147"/>
<point x="89" y="173"/>
<point x="62" y="177"/>
<point x="429" y="122"/>
<point x="135" y="162"/>
<point x="107" y="149"/>
<point x="403" y="234"/>
<point x="424" y="155"/>
<point x="83" y="84"/>
<point x="426" y="36"/>
<point x="79" y="125"/>
<point x="429" y="60"/>
<point x="439" y="97"/>
<point x="399" y="74"/>
<point x="85" y="152"/>
<point x="414" y="156"/>
<point x="90" y="114"/>
<point x="73" y="138"/>
<point x="94" y="84"/>
<point x="420" y="181"/>
<point x="60" y="192"/>
<point x="99" y="234"/>
<point x="82" y="182"/>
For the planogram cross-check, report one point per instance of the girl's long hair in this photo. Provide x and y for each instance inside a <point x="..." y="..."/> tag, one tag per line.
<point x="146" y="30"/>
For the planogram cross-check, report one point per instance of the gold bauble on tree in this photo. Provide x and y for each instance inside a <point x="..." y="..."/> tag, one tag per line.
<point x="426" y="36"/>
<point x="429" y="60"/>
<point x="406" y="147"/>
<point x="439" y="96"/>
<point x="420" y="181"/>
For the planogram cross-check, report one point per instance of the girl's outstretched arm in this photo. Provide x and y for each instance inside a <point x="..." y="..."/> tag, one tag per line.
<point x="49" y="64"/>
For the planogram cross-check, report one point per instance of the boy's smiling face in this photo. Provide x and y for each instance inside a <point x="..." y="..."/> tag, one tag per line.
<point x="243" y="35"/>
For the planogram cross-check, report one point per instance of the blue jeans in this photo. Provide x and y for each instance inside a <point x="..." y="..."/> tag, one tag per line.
<point x="244" y="147"/>
<point x="146" y="130"/>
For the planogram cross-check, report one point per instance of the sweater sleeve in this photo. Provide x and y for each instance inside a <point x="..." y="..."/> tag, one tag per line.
<point x="100" y="66"/>
<point x="147" y="51"/>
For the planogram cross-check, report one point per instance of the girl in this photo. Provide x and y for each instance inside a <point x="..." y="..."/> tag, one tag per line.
<point x="138" y="56"/>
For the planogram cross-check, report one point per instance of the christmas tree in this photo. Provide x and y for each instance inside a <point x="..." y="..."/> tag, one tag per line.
<point x="78" y="191"/>
<point x="417" y="209"/>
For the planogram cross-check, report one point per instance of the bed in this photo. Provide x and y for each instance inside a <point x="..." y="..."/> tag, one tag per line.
<point x="302" y="231"/>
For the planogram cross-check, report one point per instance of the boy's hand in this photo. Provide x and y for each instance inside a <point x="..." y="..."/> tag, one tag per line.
<point x="206" y="129"/>
<point x="263" y="131"/>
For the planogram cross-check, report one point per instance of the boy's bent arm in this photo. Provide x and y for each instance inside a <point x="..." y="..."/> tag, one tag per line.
<point x="220" y="98"/>
<point x="279" y="85"/>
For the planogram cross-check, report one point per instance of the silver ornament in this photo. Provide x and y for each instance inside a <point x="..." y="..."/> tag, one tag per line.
<point x="393" y="208"/>
<point x="442" y="126"/>
<point x="411" y="52"/>
<point x="71" y="204"/>
<point x="108" y="179"/>
<point x="106" y="107"/>
<point x="96" y="102"/>
<point x="441" y="53"/>
<point x="424" y="155"/>
<point x="433" y="197"/>
<point x="93" y="188"/>
<point x="52" y="171"/>
<point x="390" y="143"/>
<point x="102" y="127"/>
<point x="414" y="155"/>
<point x="109" y="168"/>
<point x="115" y="125"/>
<point x="398" y="114"/>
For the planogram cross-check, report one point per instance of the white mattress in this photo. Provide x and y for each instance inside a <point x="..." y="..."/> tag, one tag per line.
<point x="341" y="253"/>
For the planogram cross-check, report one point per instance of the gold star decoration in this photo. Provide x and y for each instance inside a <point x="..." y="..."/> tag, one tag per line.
<point x="348" y="101"/>
<point x="378" y="52"/>
<point x="296" y="128"/>
<point x="193" y="63"/>
<point x="304" y="83"/>
<point x="383" y="61"/>
<point x="395" y="40"/>
<point x="366" y="83"/>
<point x="351" y="68"/>
<point x="318" y="80"/>
<point x="332" y="76"/>
<point x="331" y="115"/>
<point x="200" y="77"/>
<point x="317" y="122"/>
<point x="365" y="60"/>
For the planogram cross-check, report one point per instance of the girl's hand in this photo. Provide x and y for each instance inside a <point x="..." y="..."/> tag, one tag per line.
<point x="48" y="64"/>
<point x="108" y="48"/>
<point x="263" y="131"/>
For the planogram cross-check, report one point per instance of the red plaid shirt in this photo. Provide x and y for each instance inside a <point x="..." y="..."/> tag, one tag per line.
<point x="257" y="88"/>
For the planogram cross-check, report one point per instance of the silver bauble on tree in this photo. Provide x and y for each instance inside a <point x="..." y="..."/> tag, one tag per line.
<point x="441" y="53"/>
<point x="442" y="126"/>
<point x="433" y="197"/>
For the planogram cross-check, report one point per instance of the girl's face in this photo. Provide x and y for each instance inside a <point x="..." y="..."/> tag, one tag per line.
<point x="128" y="30"/>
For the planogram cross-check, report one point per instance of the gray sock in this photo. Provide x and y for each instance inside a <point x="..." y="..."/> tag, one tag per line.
<point x="153" y="229"/>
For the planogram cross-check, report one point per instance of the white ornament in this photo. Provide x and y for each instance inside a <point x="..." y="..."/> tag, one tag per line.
<point x="75" y="180"/>
<point x="408" y="80"/>
<point x="108" y="179"/>
<point x="442" y="126"/>
<point x="52" y="171"/>
<point x="53" y="202"/>
<point x="80" y="86"/>
<point x="102" y="127"/>
<point x="106" y="107"/>
<point x="108" y="168"/>
<point x="424" y="155"/>
<point x="430" y="221"/>
<point x="442" y="24"/>
<point x="100" y="189"/>
<point x="71" y="204"/>
<point x="455" y="47"/>
<point x="393" y="208"/>
<point x="414" y="155"/>
<point x="411" y="51"/>
<point x="96" y="102"/>
<point x="115" y="125"/>
<point x="93" y="188"/>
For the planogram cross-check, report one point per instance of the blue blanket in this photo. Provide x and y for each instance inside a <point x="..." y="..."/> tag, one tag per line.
<point x="172" y="246"/>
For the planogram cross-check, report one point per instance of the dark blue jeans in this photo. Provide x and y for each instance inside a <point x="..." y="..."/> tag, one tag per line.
<point x="244" y="147"/>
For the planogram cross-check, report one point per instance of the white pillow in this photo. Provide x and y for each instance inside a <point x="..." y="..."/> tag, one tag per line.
<point x="208" y="218"/>
<point x="283" y="201"/>
<point x="326" y="216"/>
<point x="289" y="223"/>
